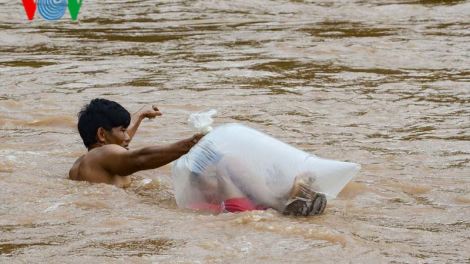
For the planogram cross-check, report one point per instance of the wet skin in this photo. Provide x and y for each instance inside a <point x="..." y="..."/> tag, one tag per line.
<point x="110" y="161"/>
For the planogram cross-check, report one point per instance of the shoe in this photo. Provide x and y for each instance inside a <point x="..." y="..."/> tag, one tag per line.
<point x="303" y="201"/>
<point x="318" y="204"/>
<point x="303" y="207"/>
<point x="298" y="207"/>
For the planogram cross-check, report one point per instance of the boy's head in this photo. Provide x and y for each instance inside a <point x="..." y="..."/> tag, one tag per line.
<point x="104" y="121"/>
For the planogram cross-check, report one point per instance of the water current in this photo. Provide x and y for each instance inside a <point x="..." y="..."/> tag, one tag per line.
<point x="384" y="83"/>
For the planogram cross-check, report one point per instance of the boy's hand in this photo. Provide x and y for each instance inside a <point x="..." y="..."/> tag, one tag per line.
<point x="150" y="111"/>
<point x="194" y="140"/>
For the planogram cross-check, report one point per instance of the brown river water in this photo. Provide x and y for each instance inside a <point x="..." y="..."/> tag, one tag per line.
<point x="384" y="83"/>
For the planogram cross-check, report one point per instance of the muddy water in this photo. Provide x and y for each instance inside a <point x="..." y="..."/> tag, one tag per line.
<point x="382" y="83"/>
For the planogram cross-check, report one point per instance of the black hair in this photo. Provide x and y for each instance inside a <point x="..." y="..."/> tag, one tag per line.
<point x="101" y="113"/>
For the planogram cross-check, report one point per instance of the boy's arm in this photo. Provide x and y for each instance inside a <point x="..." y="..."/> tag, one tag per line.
<point x="119" y="161"/>
<point x="149" y="111"/>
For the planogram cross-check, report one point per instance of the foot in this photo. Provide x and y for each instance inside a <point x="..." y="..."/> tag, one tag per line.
<point x="303" y="186"/>
<point x="298" y="207"/>
<point x="318" y="204"/>
<point x="304" y="207"/>
<point x="303" y="200"/>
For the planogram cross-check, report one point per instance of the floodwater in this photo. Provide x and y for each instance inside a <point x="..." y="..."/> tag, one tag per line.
<point x="384" y="83"/>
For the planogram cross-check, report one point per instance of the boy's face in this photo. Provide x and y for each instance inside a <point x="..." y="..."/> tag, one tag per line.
<point x="118" y="136"/>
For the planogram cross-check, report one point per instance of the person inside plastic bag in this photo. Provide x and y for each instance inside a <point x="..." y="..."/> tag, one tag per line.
<point x="223" y="183"/>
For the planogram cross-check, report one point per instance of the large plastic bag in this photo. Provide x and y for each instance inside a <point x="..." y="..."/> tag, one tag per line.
<point x="266" y="165"/>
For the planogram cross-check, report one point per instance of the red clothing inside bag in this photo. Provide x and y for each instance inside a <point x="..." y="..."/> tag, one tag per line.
<point x="232" y="205"/>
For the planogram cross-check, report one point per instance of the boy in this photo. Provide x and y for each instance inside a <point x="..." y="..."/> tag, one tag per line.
<point x="107" y="130"/>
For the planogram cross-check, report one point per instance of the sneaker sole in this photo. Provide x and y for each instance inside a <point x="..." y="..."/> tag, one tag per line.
<point x="319" y="204"/>
<point x="297" y="208"/>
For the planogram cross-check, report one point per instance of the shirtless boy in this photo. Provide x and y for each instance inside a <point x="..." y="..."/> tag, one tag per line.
<point x="107" y="130"/>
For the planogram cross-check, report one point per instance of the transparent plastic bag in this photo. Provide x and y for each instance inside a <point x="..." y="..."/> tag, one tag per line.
<point x="201" y="122"/>
<point x="267" y="171"/>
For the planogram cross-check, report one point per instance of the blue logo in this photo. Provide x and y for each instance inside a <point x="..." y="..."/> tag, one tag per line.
<point x="52" y="9"/>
